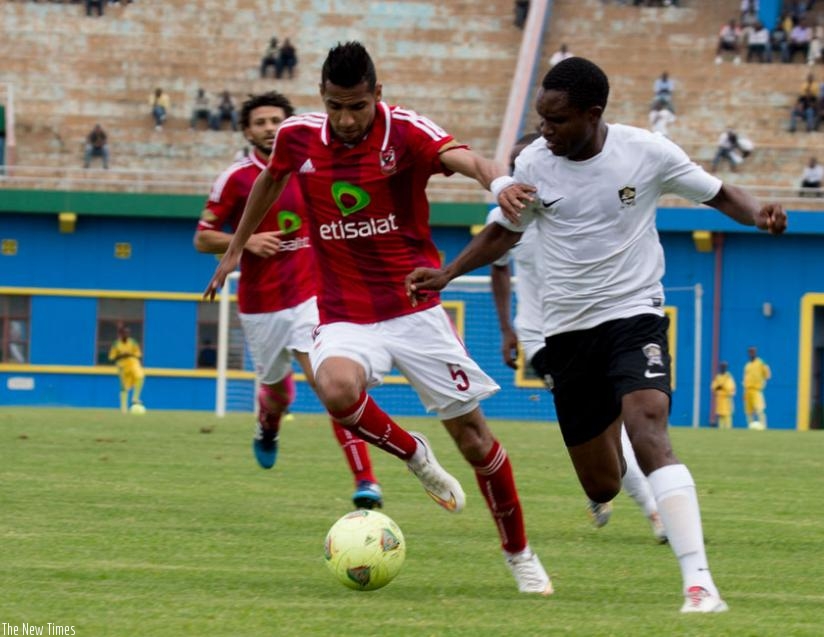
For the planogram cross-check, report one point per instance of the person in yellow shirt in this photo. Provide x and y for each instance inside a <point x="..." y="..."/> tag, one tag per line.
<point x="160" y="103"/>
<point x="756" y="375"/>
<point x="126" y="354"/>
<point x="723" y="387"/>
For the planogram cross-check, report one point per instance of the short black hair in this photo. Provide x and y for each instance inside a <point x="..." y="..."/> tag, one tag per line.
<point x="272" y="98"/>
<point x="348" y="65"/>
<point x="585" y="84"/>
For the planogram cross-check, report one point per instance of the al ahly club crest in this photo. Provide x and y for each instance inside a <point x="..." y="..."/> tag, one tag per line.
<point x="388" y="162"/>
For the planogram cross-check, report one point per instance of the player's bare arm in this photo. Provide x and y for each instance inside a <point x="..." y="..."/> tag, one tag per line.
<point x="502" y="293"/>
<point x="262" y="244"/>
<point x="487" y="246"/>
<point x="264" y="193"/>
<point x="490" y="175"/>
<point x="741" y="206"/>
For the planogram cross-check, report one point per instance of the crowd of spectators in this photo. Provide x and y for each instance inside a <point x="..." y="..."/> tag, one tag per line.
<point x="797" y="35"/>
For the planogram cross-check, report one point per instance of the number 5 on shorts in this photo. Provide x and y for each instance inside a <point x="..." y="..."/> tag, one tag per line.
<point x="459" y="376"/>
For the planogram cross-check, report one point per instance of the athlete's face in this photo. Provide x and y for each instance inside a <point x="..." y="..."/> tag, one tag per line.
<point x="351" y="111"/>
<point x="569" y="131"/>
<point x="264" y="122"/>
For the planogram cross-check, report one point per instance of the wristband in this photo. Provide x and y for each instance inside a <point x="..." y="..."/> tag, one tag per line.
<point x="499" y="184"/>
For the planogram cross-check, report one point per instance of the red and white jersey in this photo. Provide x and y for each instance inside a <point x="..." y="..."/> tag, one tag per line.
<point x="280" y="281"/>
<point x="367" y="205"/>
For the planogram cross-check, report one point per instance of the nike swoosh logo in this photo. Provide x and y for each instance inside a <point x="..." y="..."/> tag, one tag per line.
<point x="650" y="374"/>
<point x="547" y="204"/>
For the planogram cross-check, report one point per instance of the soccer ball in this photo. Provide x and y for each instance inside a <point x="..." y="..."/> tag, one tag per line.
<point x="365" y="550"/>
<point x="757" y="425"/>
<point x="137" y="409"/>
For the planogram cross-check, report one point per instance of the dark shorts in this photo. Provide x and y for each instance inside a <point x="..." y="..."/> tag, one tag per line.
<point x="591" y="370"/>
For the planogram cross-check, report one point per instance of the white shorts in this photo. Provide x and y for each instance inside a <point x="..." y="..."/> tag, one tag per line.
<point x="272" y="337"/>
<point x="423" y="346"/>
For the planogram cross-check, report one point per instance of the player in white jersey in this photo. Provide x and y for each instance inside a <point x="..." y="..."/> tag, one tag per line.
<point x="528" y="335"/>
<point x="592" y="189"/>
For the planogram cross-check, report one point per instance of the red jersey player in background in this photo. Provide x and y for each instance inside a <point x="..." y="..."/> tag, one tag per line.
<point x="276" y="294"/>
<point x="363" y="167"/>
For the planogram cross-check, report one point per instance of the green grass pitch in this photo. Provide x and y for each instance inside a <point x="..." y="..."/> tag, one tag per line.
<point x="163" y="525"/>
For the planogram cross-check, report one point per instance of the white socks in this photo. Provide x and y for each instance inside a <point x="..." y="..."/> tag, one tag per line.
<point x="634" y="482"/>
<point x="674" y="491"/>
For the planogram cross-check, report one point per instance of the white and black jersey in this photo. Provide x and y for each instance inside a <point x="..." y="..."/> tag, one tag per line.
<point x="600" y="255"/>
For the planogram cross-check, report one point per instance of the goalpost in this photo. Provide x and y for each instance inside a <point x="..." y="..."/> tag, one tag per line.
<point x="235" y="389"/>
<point x="468" y="300"/>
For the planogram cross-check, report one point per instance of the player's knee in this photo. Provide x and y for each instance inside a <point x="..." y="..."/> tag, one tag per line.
<point x="337" y="392"/>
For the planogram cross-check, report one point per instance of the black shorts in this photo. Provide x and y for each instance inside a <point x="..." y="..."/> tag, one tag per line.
<point x="591" y="370"/>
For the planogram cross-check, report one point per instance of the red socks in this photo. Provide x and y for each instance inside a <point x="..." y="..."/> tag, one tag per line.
<point x="273" y="401"/>
<point x="370" y="423"/>
<point x="497" y="484"/>
<point x="356" y="452"/>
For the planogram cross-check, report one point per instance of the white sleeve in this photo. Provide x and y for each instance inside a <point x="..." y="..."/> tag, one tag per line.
<point x="527" y="217"/>
<point x="682" y="176"/>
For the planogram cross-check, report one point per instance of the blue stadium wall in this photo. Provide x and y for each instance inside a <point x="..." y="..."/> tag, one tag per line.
<point x="757" y="269"/>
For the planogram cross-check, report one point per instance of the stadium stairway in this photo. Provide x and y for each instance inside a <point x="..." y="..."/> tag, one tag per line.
<point x="451" y="61"/>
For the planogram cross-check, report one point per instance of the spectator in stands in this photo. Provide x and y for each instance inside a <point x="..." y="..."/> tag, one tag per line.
<point x="97" y="5"/>
<point x="159" y="101"/>
<point x="660" y="117"/>
<point x="811" y="178"/>
<point x="810" y="88"/>
<point x="728" y="40"/>
<point x="201" y="110"/>
<point x="805" y="108"/>
<point x="2" y="138"/>
<point x="96" y="146"/>
<point x="287" y="60"/>
<point x="800" y="38"/>
<point x="807" y="105"/>
<point x="559" y="55"/>
<point x="521" y="11"/>
<point x="758" y="43"/>
<point x="225" y="111"/>
<point x="779" y="42"/>
<point x="729" y="150"/>
<point x="663" y="88"/>
<point x="270" y="57"/>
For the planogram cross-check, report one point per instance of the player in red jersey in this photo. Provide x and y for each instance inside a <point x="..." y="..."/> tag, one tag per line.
<point x="276" y="294"/>
<point x="363" y="167"/>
